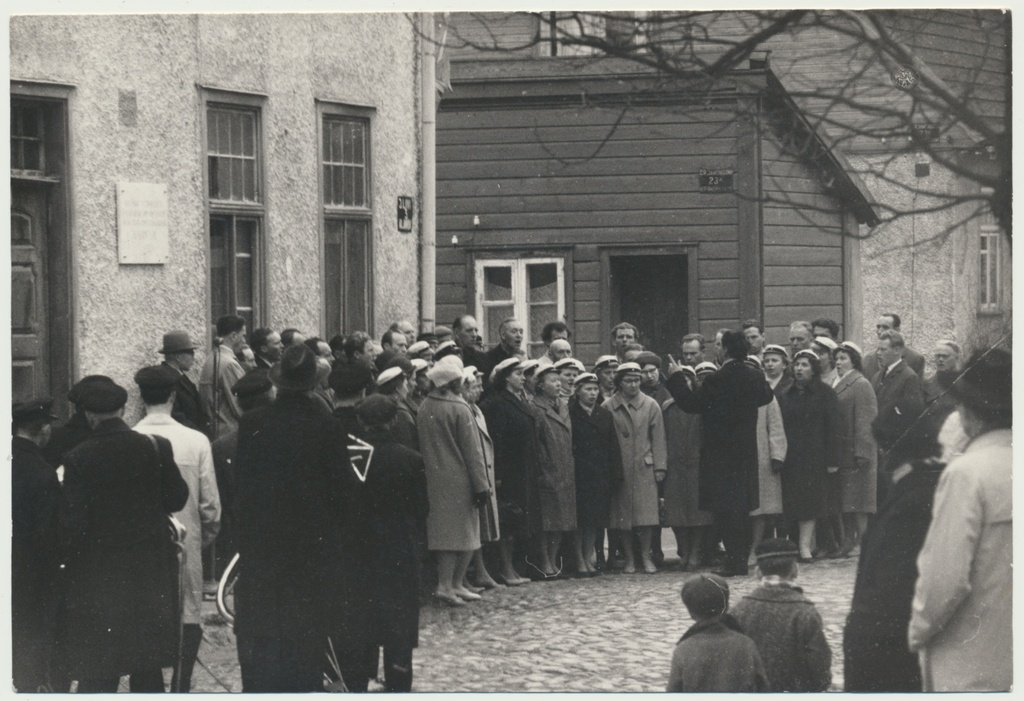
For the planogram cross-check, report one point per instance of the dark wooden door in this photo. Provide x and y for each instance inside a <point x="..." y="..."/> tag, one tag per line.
<point x="30" y="340"/>
<point x="651" y="292"/>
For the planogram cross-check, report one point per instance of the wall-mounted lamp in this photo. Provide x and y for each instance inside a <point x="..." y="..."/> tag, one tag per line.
<point x="404" y="214"/>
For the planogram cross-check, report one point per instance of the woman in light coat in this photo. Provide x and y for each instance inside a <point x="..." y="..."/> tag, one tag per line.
<point x="771" y="454"/>
<point x="456" y="480"/>
<point x="858" y="452"/>
<point x="472" y="388"/>
<point x="641" y="429"/>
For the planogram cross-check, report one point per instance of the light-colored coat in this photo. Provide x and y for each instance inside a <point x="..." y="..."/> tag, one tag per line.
<point x="454" y="461"/>
<point x="201" y="514"/>
<point x="558" y="469"/>
<point x="857" y="410"/>
<point x="961" y="624"/>
<point x="641" y="429"/>
<point x="224" y="412"/>
<point x="771" y="445"/>
<point x="488" y="447"/>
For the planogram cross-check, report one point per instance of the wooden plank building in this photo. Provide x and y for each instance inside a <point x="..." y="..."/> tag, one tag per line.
<point x="597" y="192"/>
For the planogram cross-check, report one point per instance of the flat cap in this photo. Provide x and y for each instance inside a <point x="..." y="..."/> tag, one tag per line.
<point x="376" y="410"/>
<point x="102" y="396"/>
<point x="252" y="384"/>
<point x="442" y="331"/>
<point x="32" y="410"/>
<point x="157" y="377"/>
<point x="706" y="594"/>
<point x="75" y="394"/>
<point x="776" y="548"/>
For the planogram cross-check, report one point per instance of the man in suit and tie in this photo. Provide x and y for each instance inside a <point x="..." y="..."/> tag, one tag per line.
<point x="180" y="354"/>
<point x="891" y="322"/>
<point x="900" y="403"/>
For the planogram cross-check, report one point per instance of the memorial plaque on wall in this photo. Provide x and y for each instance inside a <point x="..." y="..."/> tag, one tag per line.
<point x="143" y="223"/>
<point x="715" y="180"/>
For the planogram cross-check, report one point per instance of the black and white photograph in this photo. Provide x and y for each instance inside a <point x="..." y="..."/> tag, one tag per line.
<point x="418" y="348"/>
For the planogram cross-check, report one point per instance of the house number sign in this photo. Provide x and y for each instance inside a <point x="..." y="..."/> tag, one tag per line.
<point x="715" y="180"/>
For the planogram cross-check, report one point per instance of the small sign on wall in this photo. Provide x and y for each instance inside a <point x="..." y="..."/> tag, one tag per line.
<point x="143" y="223"/>
<point x="715" y="180"/>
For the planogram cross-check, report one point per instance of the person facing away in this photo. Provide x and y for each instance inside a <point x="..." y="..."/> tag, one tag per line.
<point x="714" y="655"/>
<point x="784" y="624"/>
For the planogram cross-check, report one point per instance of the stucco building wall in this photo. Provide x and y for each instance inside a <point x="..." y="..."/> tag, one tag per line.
<point x="135" y="115"/>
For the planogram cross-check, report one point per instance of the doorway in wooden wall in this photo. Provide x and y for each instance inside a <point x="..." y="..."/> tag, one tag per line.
<point x="652" y="292"/>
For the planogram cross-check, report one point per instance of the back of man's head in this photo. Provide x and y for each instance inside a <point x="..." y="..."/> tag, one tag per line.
<point x="735" y="345"/>
<point x="705" y="596"/>
<point x="229" y="324"/>
<point x="895" y="339"/>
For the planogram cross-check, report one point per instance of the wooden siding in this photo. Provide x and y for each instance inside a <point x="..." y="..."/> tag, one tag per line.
<point x="497" y="35"/>
<point x="546" y="180"/>
<point x="802" y="246"/>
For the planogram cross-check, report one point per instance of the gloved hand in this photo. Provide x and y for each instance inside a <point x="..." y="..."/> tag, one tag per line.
<point x="659" y="477"/>
<point x="776" y="466"/>
<point x="862" y="463"/>
<point x="480" y="498"/>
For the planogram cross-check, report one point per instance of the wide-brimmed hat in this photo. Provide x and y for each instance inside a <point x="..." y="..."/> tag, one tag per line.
<point x="444" y="373"/>
<point x="297" y="369"/>
<point x="176" y="342"/>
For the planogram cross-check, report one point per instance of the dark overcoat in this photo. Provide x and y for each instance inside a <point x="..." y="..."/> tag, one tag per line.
<point x="396" y="493"/>
<point x="728" y="401"/>
<point x="715" y="656"/>
<point x="681" y="487"/>
<point x="598" y="462"/>
<point x="876" y="658"/>
<point x="558" y="478"/>
<point x="513" y="428"/>
<point x="900" y="403"/>
<point x="188" y="408"/>
<point x="404" y="430"/>
<point x="810" y="417"/>
<point x="35" y="562"/>
<point x="301" y="526"/>
<point x="122" y="569"/>
<point x="225" y="450"/>
<point x="67" y="437"/>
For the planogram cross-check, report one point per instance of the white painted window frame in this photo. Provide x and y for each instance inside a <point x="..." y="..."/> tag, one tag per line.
<point x="989" y="252"/>
<point x="520" y="285"/>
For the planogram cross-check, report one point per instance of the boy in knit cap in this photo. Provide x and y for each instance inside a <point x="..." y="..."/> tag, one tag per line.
<point x="713" y="655"/>
<point x="784" y="624"/>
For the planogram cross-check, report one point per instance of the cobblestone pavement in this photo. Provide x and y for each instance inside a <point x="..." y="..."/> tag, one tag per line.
<point x="610" y="633"/>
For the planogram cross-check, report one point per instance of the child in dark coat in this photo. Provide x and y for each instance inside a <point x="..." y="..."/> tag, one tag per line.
<point x="784" y="624"/>
<point x="713" y="655"/>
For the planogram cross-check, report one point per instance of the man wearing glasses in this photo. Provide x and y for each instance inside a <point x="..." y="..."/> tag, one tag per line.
<point x="180" y="354"/>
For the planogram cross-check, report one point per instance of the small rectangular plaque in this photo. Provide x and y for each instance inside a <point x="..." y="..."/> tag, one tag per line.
<point x="143" y="224"/>
<point x="715" y="180"/>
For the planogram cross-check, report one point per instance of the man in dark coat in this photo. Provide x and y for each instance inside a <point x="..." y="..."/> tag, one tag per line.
<point x="76" y="430"/>
<point x="396" y="486"/>
<point x="891" y="322"/>
<point x="122" y="569"/>
<point x="510" y="345"/>
<point x="465" y="334"/>
<point x="728" y="401"/>
<point x="35" y="555"/>
<point x="900" y="403"/>
<point x="179" y="354"/>
<point x="300" y="524"/>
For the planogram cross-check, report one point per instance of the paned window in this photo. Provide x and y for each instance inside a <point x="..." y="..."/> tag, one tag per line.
<point x="236" y="209"/>
<point x="27" y="134"/>
<point x="348" y="219"/>
<point x="530" y="289"/>
<point x="989" y="249"/>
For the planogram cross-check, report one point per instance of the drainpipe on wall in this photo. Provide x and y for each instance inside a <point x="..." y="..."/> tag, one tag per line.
<point x="428" y="224"/>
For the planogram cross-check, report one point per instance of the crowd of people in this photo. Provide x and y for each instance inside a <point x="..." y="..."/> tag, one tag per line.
<point x="491" y="469"/>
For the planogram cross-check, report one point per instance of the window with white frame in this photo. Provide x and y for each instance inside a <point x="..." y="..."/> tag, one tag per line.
<point x="530" y="289"/>
<point x="989" y="252"/>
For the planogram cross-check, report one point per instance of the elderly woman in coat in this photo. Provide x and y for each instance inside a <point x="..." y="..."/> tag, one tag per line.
<point x="810" y="415"/>
<point x="858" y="453"/>
<point x="641" y="434"/>
<point x="771" y="453"/>
<point x="598" y="462"/>
<point x="472" y="388"/>
<point x="557" y="478"/>
<point x="456" y="480"/>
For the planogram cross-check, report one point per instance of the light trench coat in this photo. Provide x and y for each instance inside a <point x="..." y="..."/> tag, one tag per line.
<point x="771" y="445"/>
<point x="201" y="515"/>
<point x="961" y="624"/>
<point x="641" y="429"/>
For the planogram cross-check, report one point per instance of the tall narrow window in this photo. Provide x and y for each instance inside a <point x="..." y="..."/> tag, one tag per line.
<point x="989" y="282"/>
<point x="347" y="208"/>
<point x="236" y="205"/>
<point x="530" y="289"/>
